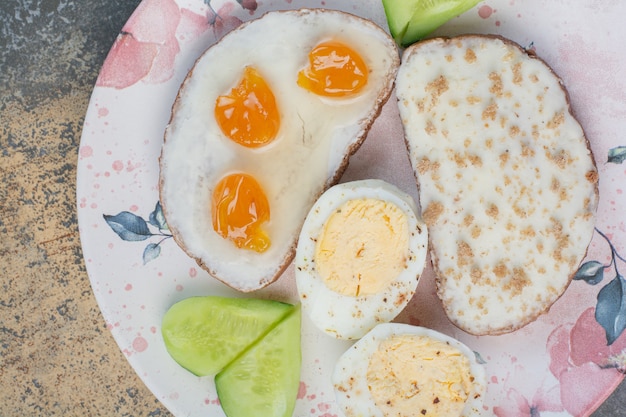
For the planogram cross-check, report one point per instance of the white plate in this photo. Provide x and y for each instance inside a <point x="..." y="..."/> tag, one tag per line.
<point x="557" y="366"/>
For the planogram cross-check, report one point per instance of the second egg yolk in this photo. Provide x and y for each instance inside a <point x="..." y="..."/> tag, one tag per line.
<point x="248" y="115"/>
<point x="335" y="70"/>
<point x="239" y="209"/>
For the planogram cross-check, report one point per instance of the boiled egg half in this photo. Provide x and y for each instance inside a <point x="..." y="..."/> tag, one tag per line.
<point x="360" y="255"/>
<point x="409" y="371"/>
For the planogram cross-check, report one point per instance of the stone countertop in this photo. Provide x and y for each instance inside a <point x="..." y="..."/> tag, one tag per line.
<point x="56" y="355"/>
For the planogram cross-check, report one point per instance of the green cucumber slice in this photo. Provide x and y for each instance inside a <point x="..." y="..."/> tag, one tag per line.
<point x="205" y="334"/>
<point x="411" y="20"/>
<point x="264" y="381"/>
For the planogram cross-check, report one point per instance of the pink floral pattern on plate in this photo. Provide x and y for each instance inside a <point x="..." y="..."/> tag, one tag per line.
<point x="565" y="363"/>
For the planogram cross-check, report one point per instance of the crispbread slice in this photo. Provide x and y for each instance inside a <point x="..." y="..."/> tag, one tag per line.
<point x="508" y="184"/>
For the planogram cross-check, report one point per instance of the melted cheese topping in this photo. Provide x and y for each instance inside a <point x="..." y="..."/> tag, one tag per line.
<point x="508" y="185"/>
<point x="414" y="376"/>
<point x="363" y="247"/>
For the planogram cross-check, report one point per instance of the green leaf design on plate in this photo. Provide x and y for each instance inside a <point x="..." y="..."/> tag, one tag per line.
<point x="128" y="226"/>
<point x="157" y="218"/>
<point x="617" y="155"/>
<point x="611" y="304"/>
<point x="479" y="358"/>
<point x="133" y="228"/>
<point x="151" y="252"/>
<point x="611" y="308"/>
<point x="592" y="272"/>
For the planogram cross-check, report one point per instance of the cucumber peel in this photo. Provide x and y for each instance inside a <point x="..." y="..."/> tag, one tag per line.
<point x="411" y="20"/>
<point x="205" y="334"/>
<point x="265" y="379"/>
<point x="252" y="347"/>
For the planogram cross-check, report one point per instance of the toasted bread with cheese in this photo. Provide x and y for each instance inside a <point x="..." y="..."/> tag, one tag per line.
<point x="507" y="182"/>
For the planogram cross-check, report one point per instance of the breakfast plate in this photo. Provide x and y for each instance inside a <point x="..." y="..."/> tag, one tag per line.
<point x="563" y="364"/>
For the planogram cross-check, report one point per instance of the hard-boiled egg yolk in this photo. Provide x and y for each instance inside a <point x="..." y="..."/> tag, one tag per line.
<point x="335" y="70"/>
<point x="248" y="115"/>
<point x="363" y="247"/>
<point x="239" y="209"/>
<point x="415" y="376"/>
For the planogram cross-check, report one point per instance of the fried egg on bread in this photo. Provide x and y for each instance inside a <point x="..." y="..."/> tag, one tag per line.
<point x="262" y="125"/>
<point x="508" y="184"/>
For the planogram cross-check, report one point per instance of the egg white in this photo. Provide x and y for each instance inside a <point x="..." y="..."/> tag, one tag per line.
<point x="308" y="155"/>
<point x="350" y="374"/>
<point x="350" y="317"/>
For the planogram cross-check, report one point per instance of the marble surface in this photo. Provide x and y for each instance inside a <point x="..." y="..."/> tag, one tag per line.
<point x="56" y="355"/>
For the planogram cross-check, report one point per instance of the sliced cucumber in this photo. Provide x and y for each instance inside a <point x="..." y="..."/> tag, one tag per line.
<point x="204" y="334"/>
<point x="411" y="20"/>
<point x="264" y="381"/>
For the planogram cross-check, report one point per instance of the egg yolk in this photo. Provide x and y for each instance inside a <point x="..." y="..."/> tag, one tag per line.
<point x="362" y="247"/>
<point x="414" y="376"/>
<point x="335" y="70"/>
<point x="248" y="114"/>
<point x="239" y="208"/>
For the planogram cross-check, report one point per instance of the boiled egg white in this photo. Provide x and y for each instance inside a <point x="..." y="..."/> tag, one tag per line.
<point x="409" y="371"/>
<point x="360" y="255"/>
<point x="276" y="172"/>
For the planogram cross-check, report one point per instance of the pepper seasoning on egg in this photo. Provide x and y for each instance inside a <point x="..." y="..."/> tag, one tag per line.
<point x="360" y="255"/>
<point x="399" y="369"/>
